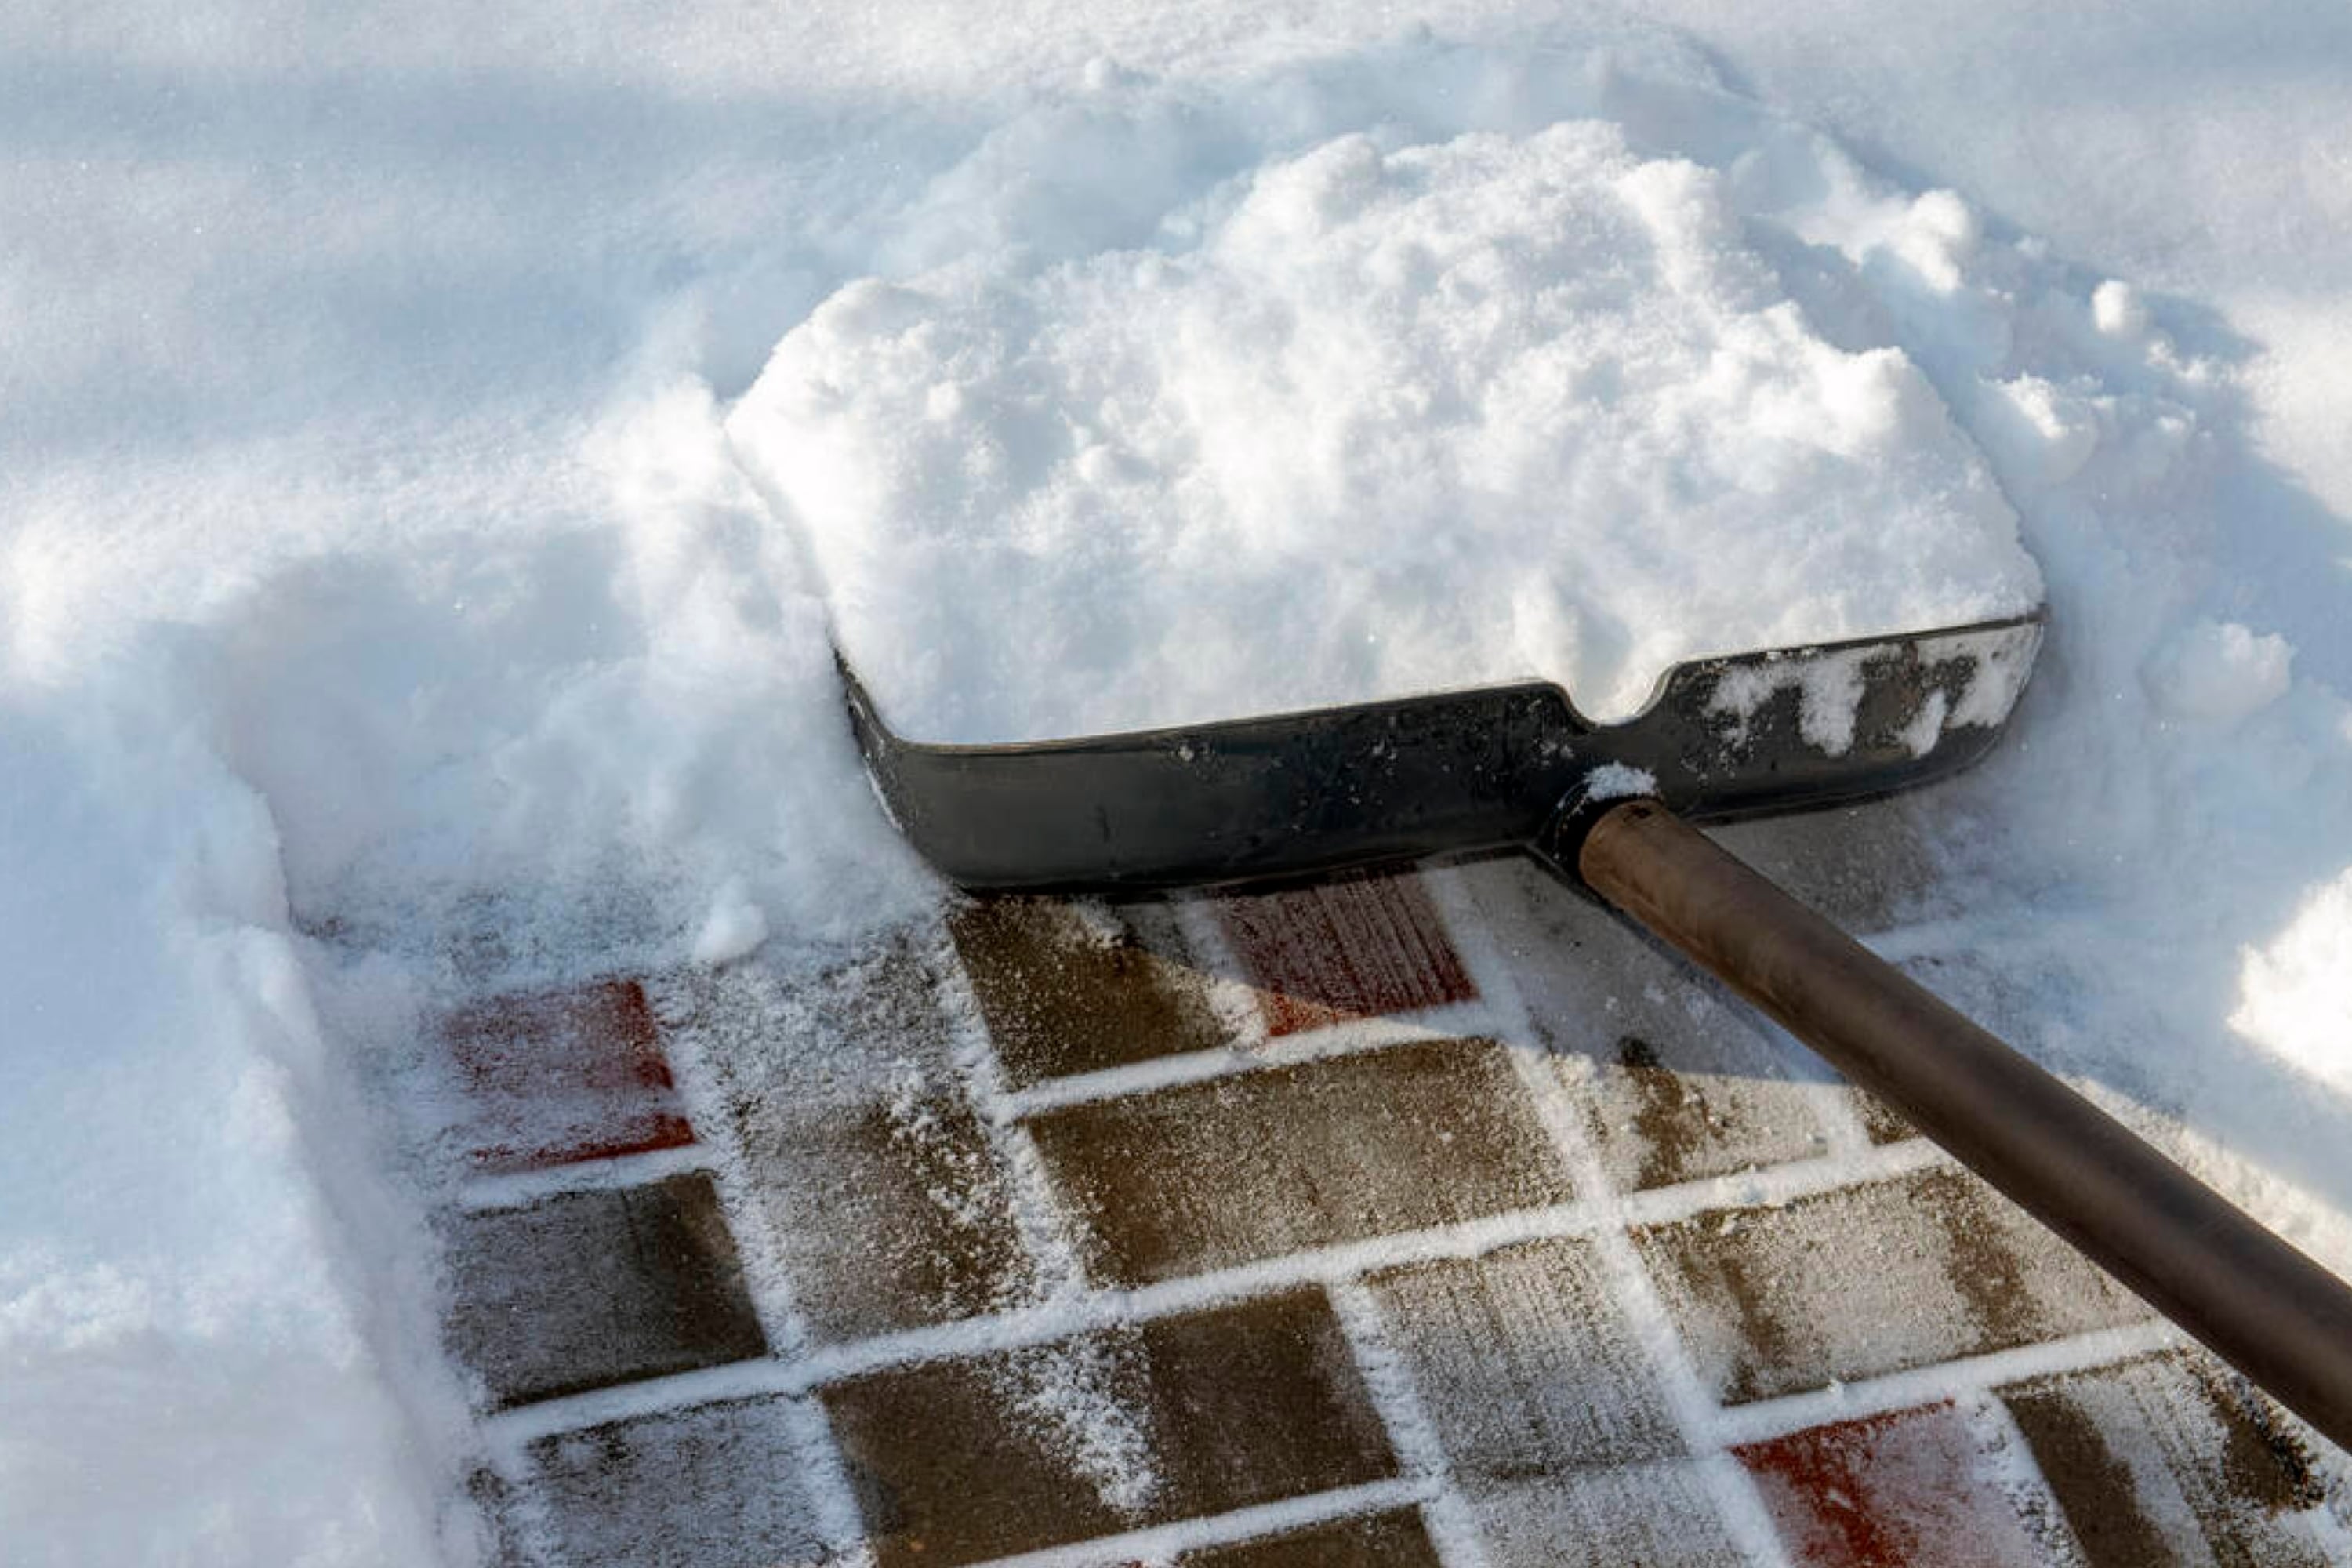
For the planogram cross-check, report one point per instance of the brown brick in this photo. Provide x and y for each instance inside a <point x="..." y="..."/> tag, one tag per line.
<point x="597" y="1287"/>
<point x="1071" y="988"/>
<point x="959" y="1461"/>
<point x="1907" y="1490"/>
<point x="550" y="1077"/>
<point x="1358" y="947"/>
<point x="1870" y="1279"/>
<point x="1201" y="1177"/>
<point x="1675" y="1081"/>
<point x="2167" y="1461"/>
<point x="1377" y="1540"/>
<point x="871" y="1169"/>
<point x="712" y="1486"/>
<point x="1524" y="1362"/>
<point x="1656" y="1515"/>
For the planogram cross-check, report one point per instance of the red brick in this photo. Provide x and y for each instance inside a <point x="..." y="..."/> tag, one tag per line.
<point x="552" y="1077"/>
<point x="1355" y="948"/>
<point x="1205" y="1175"/>
<point x="959" y="1461"/>
<point x="1907" y="1490"/>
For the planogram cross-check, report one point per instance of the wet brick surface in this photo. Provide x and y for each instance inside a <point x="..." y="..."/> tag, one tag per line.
<point x="1354" y="948"/>
<point x="959" y="1461"/>
<point x="1870" y="1279"/>
<point x="1071" y="987"/>
<point x="589" y="1289"/>
<point x="1205" y="1175"/>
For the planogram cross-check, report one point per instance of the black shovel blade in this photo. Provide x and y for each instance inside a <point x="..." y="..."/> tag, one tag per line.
<point x="1292" y="793"/>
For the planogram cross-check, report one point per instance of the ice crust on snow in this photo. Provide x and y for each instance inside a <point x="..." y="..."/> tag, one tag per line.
<point x="1378" y="417"/>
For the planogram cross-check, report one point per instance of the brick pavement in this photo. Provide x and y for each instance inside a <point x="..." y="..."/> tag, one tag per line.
<point x="1399" y="1220"/>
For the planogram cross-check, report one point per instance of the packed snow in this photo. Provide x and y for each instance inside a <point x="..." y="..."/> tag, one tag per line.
<point x="386" y="539"/>
<point x="1383" y="417"/>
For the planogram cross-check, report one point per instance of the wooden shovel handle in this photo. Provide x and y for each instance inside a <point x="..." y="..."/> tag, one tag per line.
<point x="2257" y="1302"/>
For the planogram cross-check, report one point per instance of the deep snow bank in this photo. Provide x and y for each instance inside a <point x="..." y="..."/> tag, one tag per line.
<point x="198" y="1288"/>
<point x="1384" y="416"/>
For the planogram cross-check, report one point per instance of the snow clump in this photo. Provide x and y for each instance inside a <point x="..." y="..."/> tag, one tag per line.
<point x="1366" y="420"/>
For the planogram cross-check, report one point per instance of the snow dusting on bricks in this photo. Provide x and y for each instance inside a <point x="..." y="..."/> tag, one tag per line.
<point x="1660" y="1515"/>
<point x="1199" y="1414"/>
<point x="865" y="1155"/>
<point x="1205" y="1175"/>
<point x="1071" y="987"/>
<point x="1525" y="1364"/>
<point x="999" y="1240"/>
<point x="1673" y="1080"/>
<point x="1864" y="1280"/>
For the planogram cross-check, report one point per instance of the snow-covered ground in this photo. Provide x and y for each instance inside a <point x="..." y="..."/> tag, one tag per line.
<point x="372" y="542"/>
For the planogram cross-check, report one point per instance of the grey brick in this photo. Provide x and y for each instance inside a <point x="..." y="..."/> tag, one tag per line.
<point x="870" y="1165"/>
<point x="1525" y="1364"/>
<point x="1656" y="1515"/>
<point x="713" y="1486"/>
<point x="596" y="1287"/>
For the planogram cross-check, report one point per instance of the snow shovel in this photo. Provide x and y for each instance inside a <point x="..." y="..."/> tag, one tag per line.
<point x="1611" y="808"/>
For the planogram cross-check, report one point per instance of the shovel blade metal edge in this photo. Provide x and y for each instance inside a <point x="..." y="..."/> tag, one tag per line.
<point x="1290" y="795"/>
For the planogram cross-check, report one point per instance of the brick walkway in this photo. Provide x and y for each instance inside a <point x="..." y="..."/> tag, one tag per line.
<point x="1411" y="1220"/>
